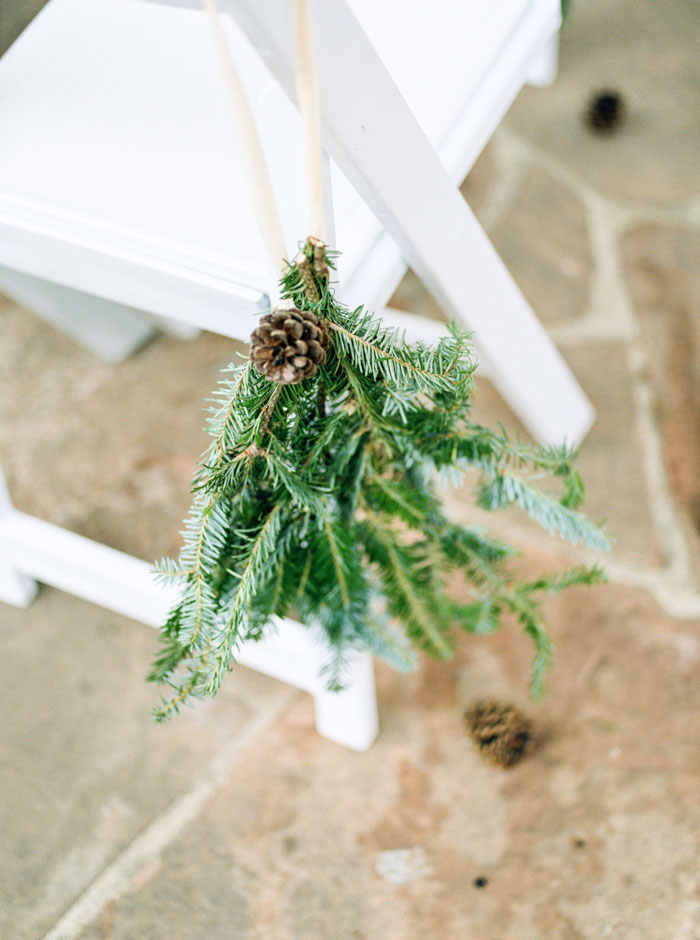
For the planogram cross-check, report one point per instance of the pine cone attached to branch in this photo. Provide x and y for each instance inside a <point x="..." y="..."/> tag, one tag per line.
<point x="501" y="732"/>
<point x="288" y="345"/>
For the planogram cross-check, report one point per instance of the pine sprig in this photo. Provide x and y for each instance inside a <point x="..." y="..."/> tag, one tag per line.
<point x="410" y="595"/>
<point x="552" y="515"/>
<point x="318" y="499"/>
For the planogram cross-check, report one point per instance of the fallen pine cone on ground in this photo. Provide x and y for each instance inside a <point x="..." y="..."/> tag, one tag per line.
<point x="501" y="732"/>
<point x="606" y="111"/>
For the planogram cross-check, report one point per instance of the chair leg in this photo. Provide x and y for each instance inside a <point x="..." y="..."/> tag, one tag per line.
<point x="350" y="717"/>
<point x="176" y="328"/>
<point x="110" y="330"/>
<point x="296" y="654"/>
<point x="15" y="588"/>
<point x="543" y="70"/>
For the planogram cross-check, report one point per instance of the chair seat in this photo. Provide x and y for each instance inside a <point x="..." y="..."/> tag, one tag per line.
<point x="118" y="146"/>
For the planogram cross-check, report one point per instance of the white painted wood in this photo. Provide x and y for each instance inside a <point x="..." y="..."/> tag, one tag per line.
<point x="544" y="67"/>
<point x="15" y="587"/>
<point x="296" y="654"/>
<point x="108" y="329"/>
<point x="292" y="653"/>
<point x="86" y="205"/>
<point x="371" y="137"/>
<point x="478" y="55"/>
<point x="111" y="330"/>
<point x="350" y="717"/>
<point x="95" y="572"/>
<point x="415" y="328"/>
<point x="135" y="276"/>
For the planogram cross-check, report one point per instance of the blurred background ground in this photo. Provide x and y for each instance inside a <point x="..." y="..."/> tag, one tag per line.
<point x="237" y="820"/>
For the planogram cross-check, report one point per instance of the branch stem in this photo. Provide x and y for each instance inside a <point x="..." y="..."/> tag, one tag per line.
<point x="267" y="414"/>
<point x="385" y="355"/>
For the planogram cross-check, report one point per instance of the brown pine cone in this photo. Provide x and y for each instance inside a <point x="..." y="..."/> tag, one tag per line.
<point x="606" y="111"/>
<point x="288" y="345"/>
<point x="501" y="732"/>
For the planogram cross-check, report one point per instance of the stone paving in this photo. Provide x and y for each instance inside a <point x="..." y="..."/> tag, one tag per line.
<point x="237" y="822"/>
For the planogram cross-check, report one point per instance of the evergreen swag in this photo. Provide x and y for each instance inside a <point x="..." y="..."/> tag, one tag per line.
<point x="316" y="498"/>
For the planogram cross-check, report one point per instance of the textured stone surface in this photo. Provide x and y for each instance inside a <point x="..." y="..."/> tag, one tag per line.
<point x="109" y="452"/>
<point x="664" y="278"/>
<point x="612" y="457"/>
<point x="543" y="238"/>
<point x="100" y="448"/>
<point x="661" y="264"/>
<point x="83" y="768"/>
<point x="594" y="835"/>
<point x="630" y="47"/>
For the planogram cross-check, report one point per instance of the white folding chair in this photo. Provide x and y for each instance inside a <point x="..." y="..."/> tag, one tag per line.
<point x="121" y="193"/>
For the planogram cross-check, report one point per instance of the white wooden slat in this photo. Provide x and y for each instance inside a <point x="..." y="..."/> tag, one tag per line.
<point x="123" y="123"/>
<point x="135" y="265"/>
<point x="95" y="572"/>
<point x="475" y="114"/>
<point x="108" y="329"/>
<point x="544" y="67"/>
<point x="461" y="41"/>
<point x="125" y="276"/>
<point x="180" y="113"/>
<point x="16" y="587"/>
<point x="476" y="118"/>
<point x="40" y="551"/>
<point x="152" y="210"/>
<point x="177" y="328"/>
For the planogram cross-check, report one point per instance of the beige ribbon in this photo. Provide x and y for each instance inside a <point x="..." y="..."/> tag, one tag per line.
<point x="255" y="167"/>
<point x="307" y="91"/>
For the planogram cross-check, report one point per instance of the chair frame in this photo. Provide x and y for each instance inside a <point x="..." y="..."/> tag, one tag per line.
<point x="437" y="235"/>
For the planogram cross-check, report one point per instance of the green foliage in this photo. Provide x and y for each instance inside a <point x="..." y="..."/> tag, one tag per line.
<point x="318" y="500"/>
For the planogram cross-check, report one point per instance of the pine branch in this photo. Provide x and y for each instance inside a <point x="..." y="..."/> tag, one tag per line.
<point x="550" y="514"/>
<point x="375" y="351"/>
<point x="390" y="643"/>
<point x="556" y="583"/>
<point x="337" y="563"/>
<point x="318" y="496"/>
<point x="257" y="554"/>
<point x="483" y="616"/>
<point x="407" y="598"/>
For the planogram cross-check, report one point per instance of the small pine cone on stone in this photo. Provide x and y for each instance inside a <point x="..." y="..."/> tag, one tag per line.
<point x="606" y="111"/>
<point x="500" y="731"/>
<point x="288" y="345"/>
